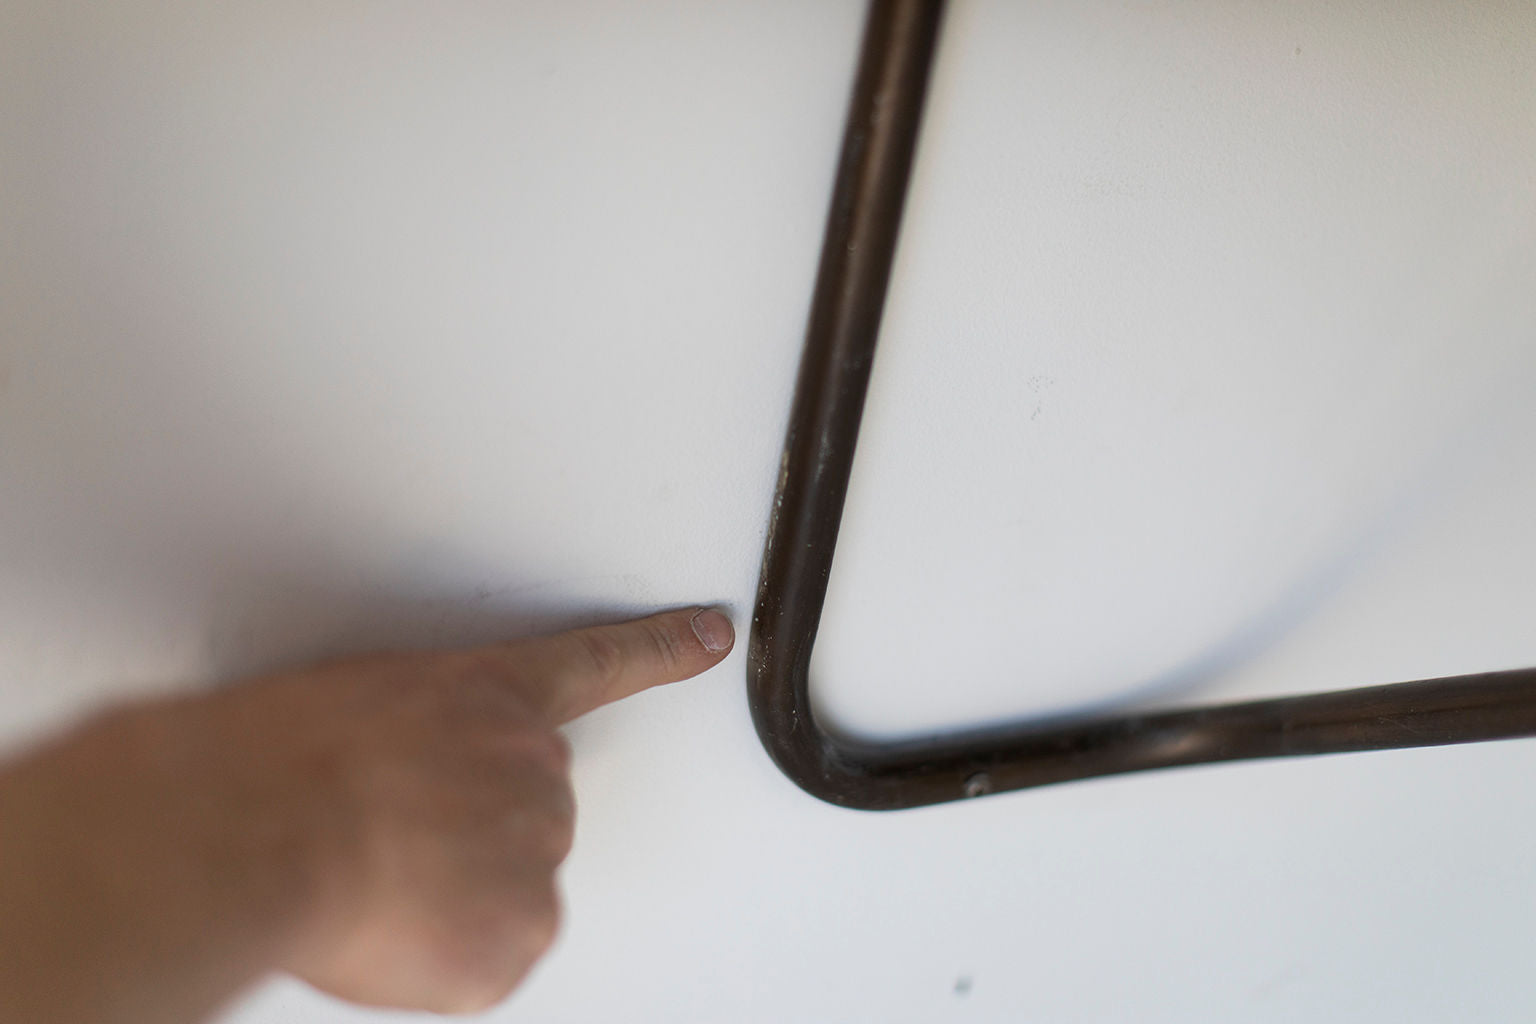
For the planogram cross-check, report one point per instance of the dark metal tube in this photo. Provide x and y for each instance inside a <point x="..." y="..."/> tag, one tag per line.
<point x="883" y="121"/>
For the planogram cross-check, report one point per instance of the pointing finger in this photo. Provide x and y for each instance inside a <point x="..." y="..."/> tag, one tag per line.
<point x="567" y="675"/>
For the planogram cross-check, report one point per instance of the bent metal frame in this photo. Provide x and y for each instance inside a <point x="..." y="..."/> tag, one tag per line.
<point x="862" y="225"/>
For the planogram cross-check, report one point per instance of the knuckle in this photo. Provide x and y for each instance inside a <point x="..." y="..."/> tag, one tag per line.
<point x="559" y="835"/>
<point x="603" y="653"/>
<point x="496" y="956"/>
<point x="538" y="750"/>
<point x="477" y="698"/>
<point x="665" y="645"/>
<point x="476" y="971"/>
<point x="494" y="984"/>
<point x="553" y="751"/>
<point x="474" y="997"/>
<point x="542" y="926"/>
<point x="545" y="825"/>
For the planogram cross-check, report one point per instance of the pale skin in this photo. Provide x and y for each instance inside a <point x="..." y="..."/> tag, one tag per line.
<point x="387" y="828"/>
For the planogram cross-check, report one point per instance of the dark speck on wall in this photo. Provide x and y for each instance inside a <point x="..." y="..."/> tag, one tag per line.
<point x="963" y="986"/>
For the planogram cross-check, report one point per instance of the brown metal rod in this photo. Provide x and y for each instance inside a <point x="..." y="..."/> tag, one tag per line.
<point x="883" y="123"/>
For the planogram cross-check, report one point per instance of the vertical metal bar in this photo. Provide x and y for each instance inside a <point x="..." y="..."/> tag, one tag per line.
<point x="884" y="116"/>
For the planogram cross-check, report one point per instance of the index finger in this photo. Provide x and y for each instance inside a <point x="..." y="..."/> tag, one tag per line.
<point x="566" y="675"/>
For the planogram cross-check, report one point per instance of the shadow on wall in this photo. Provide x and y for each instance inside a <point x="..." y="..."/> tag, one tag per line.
<point x="149" y="480"/>
<point x="1434" y="481"/>
<point x="276" y="623"/>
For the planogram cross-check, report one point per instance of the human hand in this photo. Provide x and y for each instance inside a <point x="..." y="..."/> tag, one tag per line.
<point x="387" y="828"/>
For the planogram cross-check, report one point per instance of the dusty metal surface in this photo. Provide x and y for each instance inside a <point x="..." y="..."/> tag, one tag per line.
<point x="883" y="123"/>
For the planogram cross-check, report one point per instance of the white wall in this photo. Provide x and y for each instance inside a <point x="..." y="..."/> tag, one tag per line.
<point x="323" y="328"/>
<point x="1209" y="366"/>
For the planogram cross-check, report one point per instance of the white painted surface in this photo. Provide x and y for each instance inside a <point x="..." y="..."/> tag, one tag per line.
<point x="326" y="328"/>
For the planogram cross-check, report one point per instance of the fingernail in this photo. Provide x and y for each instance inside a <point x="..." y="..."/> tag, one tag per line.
<point x="713" y="630"/>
